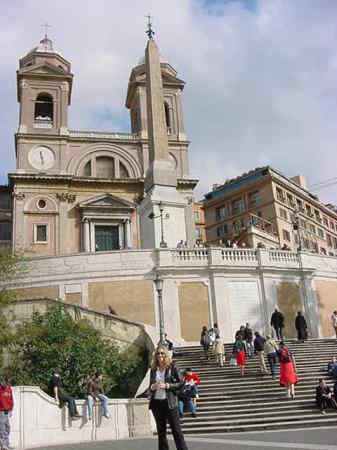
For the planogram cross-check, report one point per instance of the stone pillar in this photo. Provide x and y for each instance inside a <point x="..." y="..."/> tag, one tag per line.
<point x="86" y="235"/>
<point x="128" y="241"/>
<point x="18" y="219"/>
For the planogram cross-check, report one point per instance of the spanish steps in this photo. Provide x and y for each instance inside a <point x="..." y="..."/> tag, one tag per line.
<point x="230" y="403"/>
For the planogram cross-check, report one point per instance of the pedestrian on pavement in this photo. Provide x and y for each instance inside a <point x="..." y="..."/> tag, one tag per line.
<point x="166" y="381"/>
<point x="259" y="342"/>
<point x="334" y="321"/>
<point x="277" y="322"/>
<point x="288" y="376"/>
<point x="96" y="393"/>
<point x="55" y="390"/>
<point x="219" y="350"/>
<point x="239" y="351"/>
<point x="324" y="397"/>
<point x="271" y="349"/>
<point x="248" y="337"/>
<point x="216" y="328"/>
<point x="6" y="408"/>
<point x="301" y="327"/>
<point x="205" y="341"/>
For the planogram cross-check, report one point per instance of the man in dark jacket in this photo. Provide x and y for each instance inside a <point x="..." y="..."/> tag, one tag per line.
<point x="324" y="397"/>
<point x="259" y="342"/>
<point x="301" y="327"/>
<point x="277" y="322"/>
<point x="248" y="337"/>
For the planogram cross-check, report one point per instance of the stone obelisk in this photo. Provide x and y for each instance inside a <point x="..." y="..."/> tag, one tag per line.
<point x="162" y="211"/>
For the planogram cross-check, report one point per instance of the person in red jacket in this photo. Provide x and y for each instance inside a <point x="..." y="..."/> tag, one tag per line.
<point x="192" y="381"/>
<point x="6" y="408"/>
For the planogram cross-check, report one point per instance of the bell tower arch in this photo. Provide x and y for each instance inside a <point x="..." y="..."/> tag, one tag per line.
<point x="44" y="84"/>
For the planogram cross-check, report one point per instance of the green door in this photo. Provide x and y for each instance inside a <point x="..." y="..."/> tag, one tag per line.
<point x="106" y="238"/>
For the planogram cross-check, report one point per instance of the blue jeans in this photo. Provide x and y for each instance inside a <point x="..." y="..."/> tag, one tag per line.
<point x="272" y="362"/>
<point x="189" y="404"/>
<point x="104" y="399"/>
<point x="5" y="429"/>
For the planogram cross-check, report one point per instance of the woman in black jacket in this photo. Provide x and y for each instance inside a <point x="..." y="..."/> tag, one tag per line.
<point x="301" y="327"/>
<point x="165" y="383"/>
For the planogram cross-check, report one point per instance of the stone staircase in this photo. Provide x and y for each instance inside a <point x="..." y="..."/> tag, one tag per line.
<point x="230" y="403"/>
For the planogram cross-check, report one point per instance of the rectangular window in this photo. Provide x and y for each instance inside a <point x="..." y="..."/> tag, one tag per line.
<point x="332" y="226"/>
<point x="279" y="194"/>
<point x="5" y="231"/>
<point x="314" y="246"/>
<point x="253" y="199"/>
<point x="312" y="229"/>
<point x="334" y="242"/>
<point x="299" y="205"/>
<point x="283" y="214"/>
<point x="198" y="232"/>
<point x="221" y="231"/>
<point x="318" y="216"/>
<point x="306" y="243"/>
<point x="197" y="216"/>
<point x="325" y="221"/>
<point x="329" y="240"/>
<point x="290" y="200"/>
<point x="238" y="206"/>
<point x="286" y="235"/>
<point x="303" y="224"/>
<point x="40" y="233"/>
<point x="222" y="213"/>
<point x="320" y="233"/>
<point x="308" y="210"/>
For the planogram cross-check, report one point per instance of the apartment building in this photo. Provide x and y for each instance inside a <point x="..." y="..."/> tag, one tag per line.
<point x="264" y="208"/>
<point x="199" y="220"/>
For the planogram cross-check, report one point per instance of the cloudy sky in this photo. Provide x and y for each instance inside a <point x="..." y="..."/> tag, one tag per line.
<point x="261" y="76"/>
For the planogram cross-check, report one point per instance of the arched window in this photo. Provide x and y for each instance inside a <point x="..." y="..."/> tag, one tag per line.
<point x="87" y="169"/>
<point x="123" y="173"/>
<point x="105" y="167"/>
<point x="168" y="117"/>
<point x="44" y="108"/>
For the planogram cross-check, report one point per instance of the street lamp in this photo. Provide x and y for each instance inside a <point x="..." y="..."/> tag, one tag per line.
<point x="296" y="227"/>
<point x="152" y="216"/>
<point x="159" y="287"/>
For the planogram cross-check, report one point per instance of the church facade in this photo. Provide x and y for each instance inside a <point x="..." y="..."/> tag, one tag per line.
<point x="82" y="191"/>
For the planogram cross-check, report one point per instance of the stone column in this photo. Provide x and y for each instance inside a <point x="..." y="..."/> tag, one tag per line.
<point x="86" y="235"/>
<point x="128" y="243"/>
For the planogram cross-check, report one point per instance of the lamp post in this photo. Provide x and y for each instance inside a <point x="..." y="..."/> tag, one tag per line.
<point x="159" y="287"/>
<point x="152" y="216"/>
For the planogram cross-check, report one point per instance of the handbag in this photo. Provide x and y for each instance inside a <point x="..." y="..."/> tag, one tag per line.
<point x="233" y="361"/>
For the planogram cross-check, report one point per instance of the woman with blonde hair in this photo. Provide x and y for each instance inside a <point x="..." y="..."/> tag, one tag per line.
<point x="165" y="383"/>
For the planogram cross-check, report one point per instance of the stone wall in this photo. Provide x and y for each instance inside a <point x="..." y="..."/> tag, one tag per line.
<point x="327" y="303"/>
<point x="201" y="286"/>
<point x="37" y="421"/>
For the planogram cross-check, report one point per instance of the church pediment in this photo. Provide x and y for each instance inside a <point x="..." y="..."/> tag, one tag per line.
<point x="44" y="69"/>
<point x="107" y="201"/>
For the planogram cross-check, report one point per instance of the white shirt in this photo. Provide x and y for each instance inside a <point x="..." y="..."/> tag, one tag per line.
<point x="160" y="394"/>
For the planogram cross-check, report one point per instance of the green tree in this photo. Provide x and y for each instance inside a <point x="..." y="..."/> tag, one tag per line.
<point x="10" y="267"/>
<point x="55" y="341"/>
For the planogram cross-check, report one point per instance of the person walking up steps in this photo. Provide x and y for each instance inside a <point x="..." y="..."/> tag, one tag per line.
<point x="301" y="327"/>
<point x="288" y="376"/>
<point x="219" y="351"/>
<point x="205" y="341"/>
<point x="271" y="349"/>
<point x="239" y="351"/>
<point x="259" y="342"/>
<point x="334" y="322"/>
<point x="277" y="322"/>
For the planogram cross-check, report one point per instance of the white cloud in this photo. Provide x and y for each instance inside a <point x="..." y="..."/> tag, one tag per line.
<point x="261" y="82"/>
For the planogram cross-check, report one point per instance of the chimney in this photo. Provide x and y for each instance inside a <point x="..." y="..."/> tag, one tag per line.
<point x="300" y="180"/>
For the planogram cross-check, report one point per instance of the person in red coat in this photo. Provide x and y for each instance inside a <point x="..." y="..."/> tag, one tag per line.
<point x="6" y="408"/>
<point x="288" y="376"/>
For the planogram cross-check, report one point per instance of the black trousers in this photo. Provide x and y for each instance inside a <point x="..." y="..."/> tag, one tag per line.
<point x="163" y="414"/>
<point x="325" y="403"/>
<point x="64" y="398"/>
<point x="279" y="334"/>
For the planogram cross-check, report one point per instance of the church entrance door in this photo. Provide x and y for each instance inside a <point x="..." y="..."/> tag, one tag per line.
<point x="106" y="238"/>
